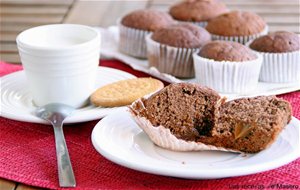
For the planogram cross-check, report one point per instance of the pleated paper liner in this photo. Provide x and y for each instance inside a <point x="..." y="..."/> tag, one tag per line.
<point x="171" y="60"/>
<point x="279" y="67"/>
<point x="132" y="41"/>
<point x="227" y="76"/>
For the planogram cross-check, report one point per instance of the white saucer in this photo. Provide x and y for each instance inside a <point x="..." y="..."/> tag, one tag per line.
<point x="119" y="139"/>
<point x="16" y="100"/>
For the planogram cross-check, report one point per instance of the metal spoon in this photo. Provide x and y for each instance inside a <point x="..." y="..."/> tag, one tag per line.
<point x="56" y="113"/>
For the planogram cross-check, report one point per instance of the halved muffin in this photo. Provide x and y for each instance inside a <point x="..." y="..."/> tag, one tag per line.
<point x="185" y="117"/>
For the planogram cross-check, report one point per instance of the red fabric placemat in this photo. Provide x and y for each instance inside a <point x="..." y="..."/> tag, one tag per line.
<point x="27" y="155"/>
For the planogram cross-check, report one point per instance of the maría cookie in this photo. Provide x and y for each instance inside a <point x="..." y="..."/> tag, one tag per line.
<point x="125" y="92"/>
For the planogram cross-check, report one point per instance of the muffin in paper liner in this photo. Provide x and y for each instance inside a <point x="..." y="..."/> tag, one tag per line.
<point x="132" y="41"/>
<point x="279" y="67"/>
<point x="163" y="137"/>
<point x="240" y="39"/>
<point x="227" y="76"/>
<point x="171" y="60"/>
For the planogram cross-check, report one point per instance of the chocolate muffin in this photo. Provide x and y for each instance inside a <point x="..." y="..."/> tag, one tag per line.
<point x="197" y="10"/>
<point x="277" y="42"/>
<point x="170" y="48"/>
<point x="148" y="20"/>
<point x="237" y="26"/>
<point x="186" y="116"/>
<point x="187" y="110"/>
<point x="135" y="26"/>
<point x="227" y="67"/>
<point x="281" y="57"/>
<point x="227" y="51"/>
<point x="182" y="35"/>
<point x="249" y="124"/>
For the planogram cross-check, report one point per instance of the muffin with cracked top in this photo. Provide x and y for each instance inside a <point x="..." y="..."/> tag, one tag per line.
<point x="281" y="56"/>
<point x="238" y="26"/>
<point x="136" y="25"/>
<point x="227" y="67"/>
<point x="197" y="11"/>
<point x="170" y="48"/>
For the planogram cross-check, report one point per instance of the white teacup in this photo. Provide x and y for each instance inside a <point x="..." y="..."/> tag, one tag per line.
<point x="60" y="62"/>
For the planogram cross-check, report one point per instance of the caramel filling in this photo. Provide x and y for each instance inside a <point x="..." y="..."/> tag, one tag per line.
<point x="241" y="130"/>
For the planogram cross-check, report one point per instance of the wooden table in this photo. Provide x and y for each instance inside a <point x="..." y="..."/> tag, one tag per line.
<point x="18" y="15"/>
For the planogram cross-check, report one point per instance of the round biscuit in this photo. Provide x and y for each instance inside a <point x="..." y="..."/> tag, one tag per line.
<point x="124" y="92"/>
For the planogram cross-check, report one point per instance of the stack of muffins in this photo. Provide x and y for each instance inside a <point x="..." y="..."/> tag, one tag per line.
<point x="176" y="44"/>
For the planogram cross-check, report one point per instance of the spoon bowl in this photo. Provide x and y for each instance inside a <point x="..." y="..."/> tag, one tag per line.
<point x="56" y="113"/>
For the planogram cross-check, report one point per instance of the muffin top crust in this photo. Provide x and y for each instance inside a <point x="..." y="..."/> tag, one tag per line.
<point x="227" y="51"/>
<point x="149" y="20"/>
<point x="236" y="23"/>
<point x="277" y="42"/>
<point x="197" y="10"/>
<point x="182" y="35"/>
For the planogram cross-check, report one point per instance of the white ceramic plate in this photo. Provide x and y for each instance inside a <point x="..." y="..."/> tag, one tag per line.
<point x="110" y="49"/>
<point x="16" y="100"/>
<point x="119" y="139"/>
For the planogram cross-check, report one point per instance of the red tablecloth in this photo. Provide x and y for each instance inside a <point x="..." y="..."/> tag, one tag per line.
<point x="27" y="155"/>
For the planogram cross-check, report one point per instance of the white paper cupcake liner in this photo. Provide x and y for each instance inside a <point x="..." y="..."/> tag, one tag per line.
<point x="280" y="67"/>
<point x="163" y="137"/>
<point x="240" y="39"/>
<point x="226" y="76"/>
<point x="171" y="60"/>
<point x="132" y="41"/>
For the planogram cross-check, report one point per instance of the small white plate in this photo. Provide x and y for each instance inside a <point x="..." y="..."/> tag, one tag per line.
<point x="110" y="38"/>
<point x="16" y="100"/>
<point x="118" y="138"/>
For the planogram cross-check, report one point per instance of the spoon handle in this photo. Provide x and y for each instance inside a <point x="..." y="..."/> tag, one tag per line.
<point x="65" y="170"/>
